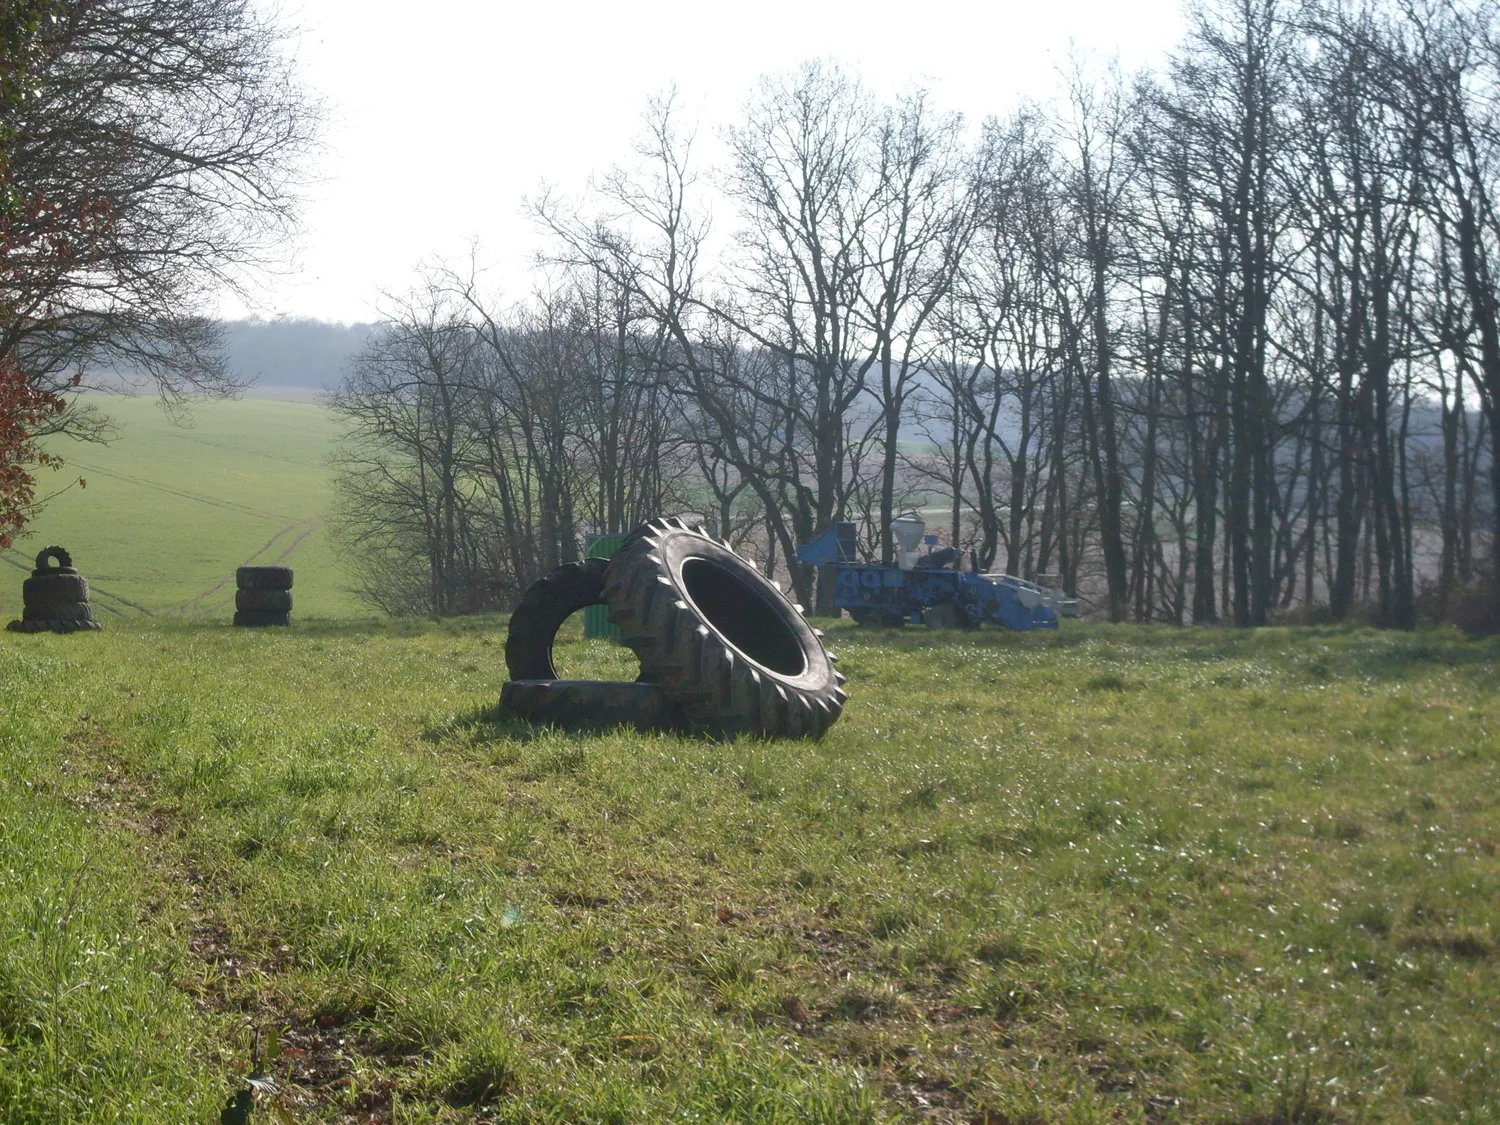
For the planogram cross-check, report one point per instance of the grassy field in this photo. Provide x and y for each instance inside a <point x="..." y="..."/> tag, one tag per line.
<point x="170" y="510"/>
<point x="1112" y="874"/>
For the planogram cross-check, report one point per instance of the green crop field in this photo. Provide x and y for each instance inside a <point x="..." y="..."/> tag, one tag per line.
<point x="170" y="510"/>
<point x="1111" y="874"/>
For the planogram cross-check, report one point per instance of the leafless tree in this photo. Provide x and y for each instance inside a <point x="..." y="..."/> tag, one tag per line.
<point x="156" y="160"/>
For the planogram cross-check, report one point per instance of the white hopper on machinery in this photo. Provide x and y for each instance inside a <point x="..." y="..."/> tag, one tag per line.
<point x="908" y="531"/>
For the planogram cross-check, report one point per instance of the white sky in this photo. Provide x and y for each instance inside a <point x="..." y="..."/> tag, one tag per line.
<point x="444" y="115"/>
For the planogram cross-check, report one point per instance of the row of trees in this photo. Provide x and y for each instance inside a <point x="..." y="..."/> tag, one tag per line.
<point x="479" y="449"/>
<point x="1208" y="343"/>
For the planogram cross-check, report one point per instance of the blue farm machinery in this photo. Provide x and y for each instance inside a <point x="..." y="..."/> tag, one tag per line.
<point x="925" y="587"/>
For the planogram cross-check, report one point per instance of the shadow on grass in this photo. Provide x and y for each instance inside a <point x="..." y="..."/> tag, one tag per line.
<point x="481" y="725"/>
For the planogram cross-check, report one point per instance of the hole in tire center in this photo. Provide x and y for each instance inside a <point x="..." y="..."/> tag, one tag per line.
<point x="743" y="615"/>
<point x="577" y="657"/>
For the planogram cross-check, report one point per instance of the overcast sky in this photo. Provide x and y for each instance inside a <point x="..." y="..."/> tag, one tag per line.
<point x="444" y="115"/>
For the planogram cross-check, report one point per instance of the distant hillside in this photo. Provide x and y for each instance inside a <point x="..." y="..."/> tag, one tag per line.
<point x="305" y="354"/>
<point x="174" y="505"/>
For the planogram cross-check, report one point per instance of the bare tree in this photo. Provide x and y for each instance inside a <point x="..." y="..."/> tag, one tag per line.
<point x="155" y="160"/>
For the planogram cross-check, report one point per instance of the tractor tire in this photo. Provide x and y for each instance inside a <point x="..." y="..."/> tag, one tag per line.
<point x="263" y="601"/>
<point x="588" y="704"/>
<point x="55" y="586"/>
<point x="64" y="560"/>
<point x="545" y="605"/>
<point x="263" y="578"/>
<point x="944" y="615"/>
<point x="255" y="620"/>
<point x="57" y="610"/>
<point x="723" y="642"/>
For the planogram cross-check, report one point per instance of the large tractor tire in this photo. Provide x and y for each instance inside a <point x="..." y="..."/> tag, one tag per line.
<point x="263" y="578"/>
<point x="588" y="704"/>
<point x="944" y="615"/>
<point x="723" y="642"/>
<point x="258" y="619"/>
<point x="55" y="586"/>
<point x="263" y="601"/>
<point x="545" y="605"/>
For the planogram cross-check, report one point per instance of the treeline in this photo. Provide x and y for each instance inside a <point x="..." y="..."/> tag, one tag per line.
<point x="1210" y="343"/>
<point x="291" y="352"/>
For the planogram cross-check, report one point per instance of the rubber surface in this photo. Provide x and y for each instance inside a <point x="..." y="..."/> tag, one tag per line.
<point x="263" y="601"/>
<point x="545" y="605"/>
<point x="65" y="609"/>
<point x="257" y="619"/>
<point x="60" y="554"/>
<point x="723" y="642"/>
<point x="54" y="625"/>
<point x="55" y="586"/>
<point x="263" y="578"/>
<point x="944" y="615"/>
<point x="589" y="704"/>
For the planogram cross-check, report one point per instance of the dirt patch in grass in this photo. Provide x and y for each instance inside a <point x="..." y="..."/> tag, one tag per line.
<point x="318" y="1052"/>
<point x="1467" y="945"/>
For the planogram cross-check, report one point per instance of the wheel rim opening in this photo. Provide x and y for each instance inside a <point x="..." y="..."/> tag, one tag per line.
<point x="744" y="616"/>
<point x="579" y="657"/>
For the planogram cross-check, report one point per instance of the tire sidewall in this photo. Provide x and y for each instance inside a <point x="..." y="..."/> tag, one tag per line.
<point x="588" y="704"/>
<point x="54" y="586"/>
<point x="543" y="608"/>
<point x="263" y="601"/>
<point x="263" y="577"/>
<point x="57" y="611"/>
<point x="678" y="547"/>
<point x="256" y="620"/>
<point x="59" y="555"/>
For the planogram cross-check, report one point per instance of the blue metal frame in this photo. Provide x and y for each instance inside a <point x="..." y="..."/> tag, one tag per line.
<point x="909" y="594"/>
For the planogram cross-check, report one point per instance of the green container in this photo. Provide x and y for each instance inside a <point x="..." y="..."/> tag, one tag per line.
<point x="596" y="617"/>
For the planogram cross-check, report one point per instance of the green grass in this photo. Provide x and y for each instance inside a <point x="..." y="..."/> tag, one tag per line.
<point x="1112" y="874"/>
<point x="170" y="510"/>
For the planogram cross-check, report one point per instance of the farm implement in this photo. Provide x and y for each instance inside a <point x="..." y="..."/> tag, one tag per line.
<point x="926" y="587"/>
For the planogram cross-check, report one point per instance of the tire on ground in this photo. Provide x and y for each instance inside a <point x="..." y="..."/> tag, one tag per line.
<point x="944" y="615"/>
<point x="255" y="619"/>
<point x="588" y="704"/>
<point x="54" y="625"/>
<point x="722" y="641"/>
<point x="263" y="601"/>
<point x="55" y="586"/>
<point x="545" y="605"/>
<point x="57" y="610"/>
<point x="263" y="578"/>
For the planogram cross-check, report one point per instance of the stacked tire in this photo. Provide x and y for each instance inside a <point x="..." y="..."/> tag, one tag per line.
<point x="536" y="693"/>
<point x="263" y="596"/>
<point x="55" y="599"/>
<point x="723" y="651"/>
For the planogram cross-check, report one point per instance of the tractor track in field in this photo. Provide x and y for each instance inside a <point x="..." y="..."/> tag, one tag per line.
<point x="206" y="442"/>
<point x="196" y="497"/>
<point x="308" y="526"/>
<point x="94" y="588"/>
<point x="297" y="542"/>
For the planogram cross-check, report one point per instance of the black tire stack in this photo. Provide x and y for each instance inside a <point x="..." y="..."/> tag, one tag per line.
<point x="722" y="649"/>
<point x="55" y="599"/>
<point x="263" y="595"/>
